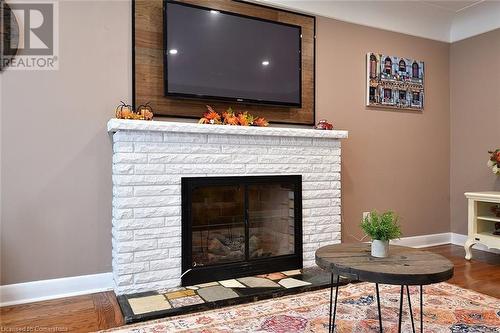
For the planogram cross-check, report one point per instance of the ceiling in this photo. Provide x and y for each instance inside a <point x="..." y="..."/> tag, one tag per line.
<point x="454" y="6"/>
<point x="445" y="20"/>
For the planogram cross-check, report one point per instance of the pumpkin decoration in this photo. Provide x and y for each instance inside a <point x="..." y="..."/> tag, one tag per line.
<point x="230" y="118"/>
<point x="124" y="111"/>
<point x="145" y="111"/>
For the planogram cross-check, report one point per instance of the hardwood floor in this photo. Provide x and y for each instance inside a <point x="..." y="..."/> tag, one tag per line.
<point x="100" y="311"/>
<point x="86" y="313"/>
<point x="481" y="274"/>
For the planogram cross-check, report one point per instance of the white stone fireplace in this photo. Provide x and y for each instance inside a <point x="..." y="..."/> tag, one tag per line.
<point x="151" y="158"/>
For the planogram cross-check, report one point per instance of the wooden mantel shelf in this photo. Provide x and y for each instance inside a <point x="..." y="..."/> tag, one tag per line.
<point x="115" y="125"/>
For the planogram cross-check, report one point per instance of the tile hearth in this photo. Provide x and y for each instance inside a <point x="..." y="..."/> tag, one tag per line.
<point x="180" y="300"/>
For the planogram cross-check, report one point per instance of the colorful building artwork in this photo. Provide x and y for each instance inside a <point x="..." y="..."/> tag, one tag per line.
<point x="394" y="82"/>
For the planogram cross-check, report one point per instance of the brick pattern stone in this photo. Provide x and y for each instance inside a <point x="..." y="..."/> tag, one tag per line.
<point x="147" y="171"/>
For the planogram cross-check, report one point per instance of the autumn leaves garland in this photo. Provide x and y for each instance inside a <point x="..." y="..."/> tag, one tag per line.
<point x="228" y="117"/>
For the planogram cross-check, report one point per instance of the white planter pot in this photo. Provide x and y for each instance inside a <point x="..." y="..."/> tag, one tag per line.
<point x="380" y="249"/>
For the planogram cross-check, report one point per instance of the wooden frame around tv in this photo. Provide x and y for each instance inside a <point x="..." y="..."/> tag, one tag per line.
<point x="147" y="63"/>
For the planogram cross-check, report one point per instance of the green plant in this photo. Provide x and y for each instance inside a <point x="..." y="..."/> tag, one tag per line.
<point x="382" y="226"/>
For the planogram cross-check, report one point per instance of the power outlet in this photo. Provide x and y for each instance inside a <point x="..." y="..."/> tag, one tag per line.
<point x="365" y="215"/>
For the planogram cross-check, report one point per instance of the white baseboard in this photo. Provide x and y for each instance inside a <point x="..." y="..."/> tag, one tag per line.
<point x="35" y="291"/>
<point x="424" y="240"/>
<point x="439" y="239"/>
<point x="459" y="239"/>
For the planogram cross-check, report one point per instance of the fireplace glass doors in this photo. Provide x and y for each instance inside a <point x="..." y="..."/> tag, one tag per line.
<point x="237" y="226"/>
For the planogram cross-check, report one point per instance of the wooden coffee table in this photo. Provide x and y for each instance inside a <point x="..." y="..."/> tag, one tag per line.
<point x="405" y="267"/>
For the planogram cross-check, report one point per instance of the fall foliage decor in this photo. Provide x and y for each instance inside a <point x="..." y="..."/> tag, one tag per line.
<point x="126" y="111"/>
<point x="494" y="161"/>
<point x="229" y="117"/>
<point x="323" y="124"/>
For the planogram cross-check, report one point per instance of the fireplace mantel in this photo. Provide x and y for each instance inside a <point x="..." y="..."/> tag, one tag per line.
<point x="151" y="159"/>
<point x="115" y="125"/>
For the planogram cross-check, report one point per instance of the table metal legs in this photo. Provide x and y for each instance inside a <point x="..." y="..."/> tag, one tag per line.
<point x="411" y="311"/>
<point x="421" y="309"/>
<point x="331" y="323"/>
<point x="400" y="309"/>
<point x="379" y="311"/>
<point x="409" y="305"/>
<point x="330" y="312"/>
<point x="331" y="319"/>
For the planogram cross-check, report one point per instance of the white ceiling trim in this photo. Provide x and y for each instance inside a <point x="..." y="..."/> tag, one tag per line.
<point x="453" y="5"/>
<point x="438" y="20"/>
<point x="475" y="20"/>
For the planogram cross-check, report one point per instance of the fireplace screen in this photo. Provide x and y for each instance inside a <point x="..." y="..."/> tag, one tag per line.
<point x="218" y="224"/>
<point x="234" y="226"/>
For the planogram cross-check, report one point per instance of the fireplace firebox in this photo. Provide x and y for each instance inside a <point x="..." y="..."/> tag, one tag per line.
<point x="240" y="226"/>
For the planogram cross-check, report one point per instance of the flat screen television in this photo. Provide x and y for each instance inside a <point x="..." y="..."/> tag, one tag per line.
<point x="211" y="54"/>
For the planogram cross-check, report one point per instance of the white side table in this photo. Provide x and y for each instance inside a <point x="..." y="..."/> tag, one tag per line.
<point x="482" y="221"/>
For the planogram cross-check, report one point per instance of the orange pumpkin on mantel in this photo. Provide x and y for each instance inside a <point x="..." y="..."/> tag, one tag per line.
<point x="124" y="111"/>
<point x="145" y="111"/>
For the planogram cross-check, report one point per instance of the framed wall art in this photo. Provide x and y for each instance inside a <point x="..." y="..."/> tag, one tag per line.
<point x="394" y="82"/>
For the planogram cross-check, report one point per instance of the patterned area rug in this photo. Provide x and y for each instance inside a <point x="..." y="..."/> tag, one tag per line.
<point x="447" y="308"/>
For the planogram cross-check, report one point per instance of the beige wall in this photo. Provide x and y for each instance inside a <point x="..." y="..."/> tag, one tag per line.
<point x="56" y="155"/>
<point x="475" y="119"/>
<point x="393" y="159"/>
